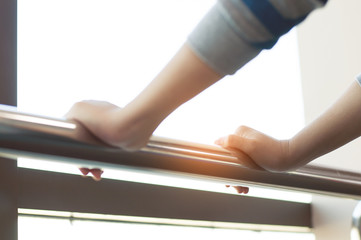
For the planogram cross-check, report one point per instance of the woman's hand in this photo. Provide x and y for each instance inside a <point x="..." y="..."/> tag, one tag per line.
<point x="256" y="150"/>
<point x="113" y="125"/>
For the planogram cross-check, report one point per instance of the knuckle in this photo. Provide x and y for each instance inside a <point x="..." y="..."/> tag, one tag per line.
<point x="232" y="140"/>
<point x="78" y="105"/>
<point x="242" y="129"/>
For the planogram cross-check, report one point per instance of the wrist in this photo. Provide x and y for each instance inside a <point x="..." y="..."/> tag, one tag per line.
<point x="298" y="154"/>
<point x="285" y="157"/>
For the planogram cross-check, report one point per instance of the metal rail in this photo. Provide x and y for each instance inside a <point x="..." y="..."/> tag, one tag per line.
<point x="27" y="135"/>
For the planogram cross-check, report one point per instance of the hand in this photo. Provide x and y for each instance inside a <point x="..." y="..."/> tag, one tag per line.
<point x="256" y="150"/>
<point x="96" y="172"/>
<point x="113" y="125"/>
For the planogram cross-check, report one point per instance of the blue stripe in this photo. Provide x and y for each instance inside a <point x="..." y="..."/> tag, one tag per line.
<point x="276" y="24"/>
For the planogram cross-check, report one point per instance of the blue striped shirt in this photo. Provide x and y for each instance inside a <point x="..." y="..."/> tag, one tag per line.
<point x="235" y="31"/>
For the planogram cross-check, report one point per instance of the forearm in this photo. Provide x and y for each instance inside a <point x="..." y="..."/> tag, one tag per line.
<point x="130" y="127"/>
<point x="225" y="40"/>
<point x="183" y="78"/>
<point x="340" y="124"/>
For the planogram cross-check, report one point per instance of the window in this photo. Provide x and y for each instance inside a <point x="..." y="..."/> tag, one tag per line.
<point x="43" y="228"/>
<point x="109" y="50"/>
<point x="70" y="50"/>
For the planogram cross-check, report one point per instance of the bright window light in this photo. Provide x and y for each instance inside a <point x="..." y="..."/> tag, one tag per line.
<point x="41" y="225"/>
<point x="71" y="50"/>
<point x="179" y="181"/>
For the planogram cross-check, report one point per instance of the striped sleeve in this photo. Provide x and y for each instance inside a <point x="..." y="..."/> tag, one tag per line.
<point x="234" y="31"/>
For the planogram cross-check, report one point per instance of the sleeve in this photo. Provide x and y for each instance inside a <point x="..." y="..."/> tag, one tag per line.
<point x="235" y="31"/>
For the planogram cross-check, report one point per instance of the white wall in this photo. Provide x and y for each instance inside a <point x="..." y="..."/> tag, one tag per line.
<point x="330" y="51"/>
<point x="330" y="56"/>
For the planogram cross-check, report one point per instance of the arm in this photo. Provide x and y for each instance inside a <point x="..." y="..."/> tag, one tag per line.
<point x="184" y="77"/>
<point x="229" y="36"/>
<point x="337" y="126"/>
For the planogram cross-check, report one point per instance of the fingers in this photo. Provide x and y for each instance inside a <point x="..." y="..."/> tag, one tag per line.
<point x="92" y="114"/>
<point x="111" y="125"/>
<point x="240" y="189"/>
<point x="236" y="142"/>
<point x="239" y="147"/>
<point x="96" y="173"/>
<point x="89" y="107"/>
<point x="244" y="159"/>
<point x="84" y="171"/>
<point x="242" y="130"/>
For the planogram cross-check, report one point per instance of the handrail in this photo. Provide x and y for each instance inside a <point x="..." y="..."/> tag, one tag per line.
<point x="356" y="223"/>
<point x="28" y="135"/>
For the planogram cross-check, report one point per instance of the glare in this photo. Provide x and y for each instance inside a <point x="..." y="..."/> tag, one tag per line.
<point x="69" y="225"/>
<point x="62" y="60"/>
<point x="76" y="216"/>
<point x="172" y="180"/>
<point x="38" y="120"/>
<point x="71" y="50"/>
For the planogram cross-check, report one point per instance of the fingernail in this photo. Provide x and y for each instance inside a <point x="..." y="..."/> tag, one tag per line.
<point x="97" y="174"/>
<point x="84" y="171"/>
